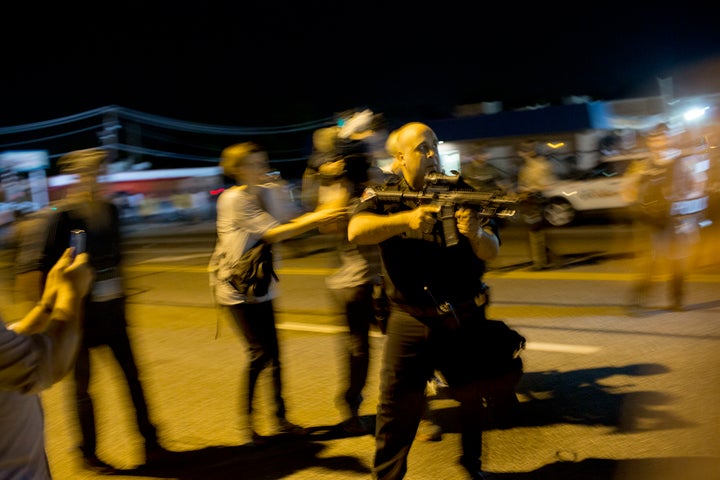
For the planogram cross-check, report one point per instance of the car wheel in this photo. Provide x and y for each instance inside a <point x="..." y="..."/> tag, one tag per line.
<point x="558" y="212"/>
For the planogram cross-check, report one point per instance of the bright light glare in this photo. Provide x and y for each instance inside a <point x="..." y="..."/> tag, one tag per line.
<point x="694" y="113"/>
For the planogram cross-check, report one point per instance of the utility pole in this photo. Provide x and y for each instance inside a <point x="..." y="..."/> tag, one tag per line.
<point x="109" y="135"/>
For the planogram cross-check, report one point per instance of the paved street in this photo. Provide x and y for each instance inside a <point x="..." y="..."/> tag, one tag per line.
<point x="605" y="396"/>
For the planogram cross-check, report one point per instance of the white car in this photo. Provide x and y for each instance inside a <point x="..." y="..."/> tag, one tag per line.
<point x="594" y="192"/>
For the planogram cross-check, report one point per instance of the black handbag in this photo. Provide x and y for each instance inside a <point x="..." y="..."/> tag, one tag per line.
<point x="254" y="272"/>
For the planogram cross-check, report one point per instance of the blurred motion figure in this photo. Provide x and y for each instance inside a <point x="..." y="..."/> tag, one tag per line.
<point x="35" y="353"/>
<point x="243" y="219"/>
<point x="669" y="192"/>
<point x="342" y="174"/>
<point x="104" y="308"/>
<point x="535" y="174"/>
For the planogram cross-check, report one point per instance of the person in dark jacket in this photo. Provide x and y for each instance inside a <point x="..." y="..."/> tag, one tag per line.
<point x="43" y="239"/>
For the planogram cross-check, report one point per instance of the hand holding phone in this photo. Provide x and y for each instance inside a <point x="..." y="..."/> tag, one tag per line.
<point x="77" y="240"/>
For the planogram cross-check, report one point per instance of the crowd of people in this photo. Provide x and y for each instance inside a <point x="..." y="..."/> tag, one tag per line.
<point x="433" y="314"/>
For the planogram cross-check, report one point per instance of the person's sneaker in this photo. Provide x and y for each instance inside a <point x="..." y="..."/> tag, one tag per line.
<point x="428" y="431"/>
<point x="355" y="426"/>
<point x="92" y="462"/>
<point x="285" y="427"/>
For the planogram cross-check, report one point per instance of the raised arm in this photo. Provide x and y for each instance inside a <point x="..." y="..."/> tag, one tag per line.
<point x="303" y="223"/>
<point x="367" y="228"/>
<point x="56" y="320"/>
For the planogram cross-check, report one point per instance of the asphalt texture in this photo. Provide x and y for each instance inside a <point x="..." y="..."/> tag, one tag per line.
<point x="190" y="361"/>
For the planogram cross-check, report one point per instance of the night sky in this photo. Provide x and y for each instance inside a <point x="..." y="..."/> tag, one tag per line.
<point x="269" y="63"/>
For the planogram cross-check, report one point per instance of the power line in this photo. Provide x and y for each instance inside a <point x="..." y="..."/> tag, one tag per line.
<point x="208" y="129"/>
<point x="141" y="125"/>
<point x="29" y="127"/>
<point x="168" y="123"/>
<point x="50" y="137"/>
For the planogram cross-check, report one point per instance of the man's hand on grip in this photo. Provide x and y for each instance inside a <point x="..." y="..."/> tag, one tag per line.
<point x="467" y="222"/>
<point x="423" y="218"/>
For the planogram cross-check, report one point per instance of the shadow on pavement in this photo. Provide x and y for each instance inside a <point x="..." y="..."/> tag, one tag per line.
<point x="580" y="397"/>
<point x="283" y="456"/>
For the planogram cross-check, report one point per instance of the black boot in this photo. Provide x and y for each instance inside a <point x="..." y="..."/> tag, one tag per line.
<point x="155" y="453"/>
<point x="473" y="468"/>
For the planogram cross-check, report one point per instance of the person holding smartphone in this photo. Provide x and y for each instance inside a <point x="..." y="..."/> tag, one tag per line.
<point x="43" y="238"/>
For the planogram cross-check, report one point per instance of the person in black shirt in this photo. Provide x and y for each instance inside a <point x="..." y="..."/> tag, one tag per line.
<point x="437" y="298"/>
<point x="43" y="239"/>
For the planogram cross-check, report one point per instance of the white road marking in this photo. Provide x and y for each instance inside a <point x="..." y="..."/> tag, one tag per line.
<point x="538" y="346"/>
<point x="562" y="347"/>
<point x="309" y="327"/>
<point x="178" y="258"/>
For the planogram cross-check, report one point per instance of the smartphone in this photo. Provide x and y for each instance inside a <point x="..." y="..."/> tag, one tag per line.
<point x="77" y="240"/>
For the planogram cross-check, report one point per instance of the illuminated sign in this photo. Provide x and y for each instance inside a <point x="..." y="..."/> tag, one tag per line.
<point x="23" y="160"/>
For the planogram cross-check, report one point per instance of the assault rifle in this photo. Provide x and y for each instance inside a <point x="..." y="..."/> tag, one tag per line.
<point x="442" y="190"/>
